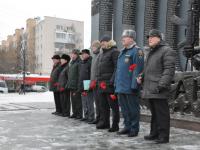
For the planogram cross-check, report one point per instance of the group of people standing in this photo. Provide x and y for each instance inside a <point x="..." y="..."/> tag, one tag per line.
<point x="113" y="79"/>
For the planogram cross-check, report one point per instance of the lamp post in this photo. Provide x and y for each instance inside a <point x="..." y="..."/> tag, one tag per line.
<point x="23" y="56"/>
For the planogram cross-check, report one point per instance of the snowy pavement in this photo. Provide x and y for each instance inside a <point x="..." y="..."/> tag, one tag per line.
<point x="35" y="128"/>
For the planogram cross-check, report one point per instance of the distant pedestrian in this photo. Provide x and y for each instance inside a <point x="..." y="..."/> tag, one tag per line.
<point x="158" y="73"/>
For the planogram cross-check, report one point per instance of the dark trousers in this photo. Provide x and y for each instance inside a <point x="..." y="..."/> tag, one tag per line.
<point x="65" y="102"/>
<point x="97" y="103"/>
<point x="130" y="109"/>
<point x="76" y="103"/>
<point x="57" y="101"/>
<point x="105" y="104"/>
<point x="88" y="106"/>
<point x="160" y="119"/>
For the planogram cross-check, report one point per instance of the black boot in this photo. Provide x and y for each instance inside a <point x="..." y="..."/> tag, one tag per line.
<point x="114" y="129"/>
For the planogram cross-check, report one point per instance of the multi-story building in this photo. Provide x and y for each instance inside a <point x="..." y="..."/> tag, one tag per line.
<point x="30" y="46"/>
<point x="56" y="35"/>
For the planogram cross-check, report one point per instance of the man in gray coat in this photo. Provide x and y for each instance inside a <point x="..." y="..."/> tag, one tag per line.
<point x="93" y="85"/>
<point x="159" y="71"/>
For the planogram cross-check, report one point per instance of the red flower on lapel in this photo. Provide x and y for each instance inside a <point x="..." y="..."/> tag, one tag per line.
<point x="132" y="67"/>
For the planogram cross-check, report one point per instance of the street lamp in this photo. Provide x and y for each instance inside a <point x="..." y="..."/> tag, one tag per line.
<point x="23" y="56"/>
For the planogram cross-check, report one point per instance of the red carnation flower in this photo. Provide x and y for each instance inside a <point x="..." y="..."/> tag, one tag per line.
<point x="93" y="84"/>
<point x="56" y="84"/>
<point x="103" y="85"/>
<point x="132" y="67"/>
<point x="84" y="93"/>
<point x="113" y="97"/>
<point x="62" y="89"/>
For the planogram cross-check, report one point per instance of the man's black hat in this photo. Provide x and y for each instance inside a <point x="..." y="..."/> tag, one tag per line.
<point x="55" y="57"/>
<point x="105" y="38"/>
<point x="154" y="33"/>
<point x="66" y="57"/>
<point x="86" y="51"/>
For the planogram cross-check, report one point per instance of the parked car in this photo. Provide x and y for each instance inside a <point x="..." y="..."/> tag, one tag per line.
<point x="39" y="88"/>
<point x="3" y="87"/>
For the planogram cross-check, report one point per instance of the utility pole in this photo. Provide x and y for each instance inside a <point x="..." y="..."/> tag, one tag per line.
<point x="23" y="56"/>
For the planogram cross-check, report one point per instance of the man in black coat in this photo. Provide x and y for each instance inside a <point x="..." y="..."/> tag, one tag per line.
<point x="107" y="63"/>
<point x="54" y="83"/>
<point x="159" y="71"/>
<point x="86" y="97"/>
<point x="62" y="86"/>
<point x="72" y="85"/>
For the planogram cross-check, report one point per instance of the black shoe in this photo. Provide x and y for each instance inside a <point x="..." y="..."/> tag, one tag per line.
<point x="113" y="129"/>
<point x="92" y="122"/>
<point x="102" y="125"/>
<point x="132" y="134"/>
<point x="56" y="113"/>
<point x="72" y="116"/>
<point x="151" y="137"/>
<point x="65" y="115"/>
<point x="162" y="140"/>
<point x="83" y="119"/>
<point x="123" y="131"/>
<point x="78" y="117"/>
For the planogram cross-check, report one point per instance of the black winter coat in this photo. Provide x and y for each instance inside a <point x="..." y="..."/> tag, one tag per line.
<point x="159" y="69"/>
<point x="107" y="64"/>
<point x="73" y="74"/>
<point x="54" y="78"/>
<point x="63" y="78"/>
<point x="84" y="72"/>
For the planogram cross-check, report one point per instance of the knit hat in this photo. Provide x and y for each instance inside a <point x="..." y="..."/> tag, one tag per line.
<point x="105" y="38"/>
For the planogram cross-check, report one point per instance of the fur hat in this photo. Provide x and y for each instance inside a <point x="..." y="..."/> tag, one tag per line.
<point x="129" y="33"/>
<point x="66" y="57"/>
<point x="55" y="57"/>
<point x="154" y="33"/>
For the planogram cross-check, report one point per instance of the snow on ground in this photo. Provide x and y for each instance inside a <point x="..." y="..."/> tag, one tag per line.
<point x="29" y="97"/>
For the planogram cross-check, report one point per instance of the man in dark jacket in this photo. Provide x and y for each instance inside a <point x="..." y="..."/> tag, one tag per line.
<point x="107" y="63"/>
<point x="129" y="67"/>
<point x="54" y="83"/>
<point x="72" y="85"/>
<point x="93" y="85"/>
<point x="62" y="86"/>
<point x="84" y="76"/>
<point x="159" y="70"/>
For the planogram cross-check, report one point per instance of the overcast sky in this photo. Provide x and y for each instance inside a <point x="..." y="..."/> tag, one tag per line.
<point x="13" y="14"/>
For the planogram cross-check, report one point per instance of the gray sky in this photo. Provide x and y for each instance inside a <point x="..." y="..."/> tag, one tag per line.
<point x="13" y="14"/>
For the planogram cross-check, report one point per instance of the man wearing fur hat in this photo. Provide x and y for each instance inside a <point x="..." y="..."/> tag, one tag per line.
<point x="159" y="71"/>
<point x="129" y="67"/>
<point x="107" y="63"/>
<point x="54" y="83"/>
<point x="62" y="83"/>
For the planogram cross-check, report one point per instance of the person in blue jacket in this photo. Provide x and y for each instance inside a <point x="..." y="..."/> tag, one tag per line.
<point x="129" y="67"/>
